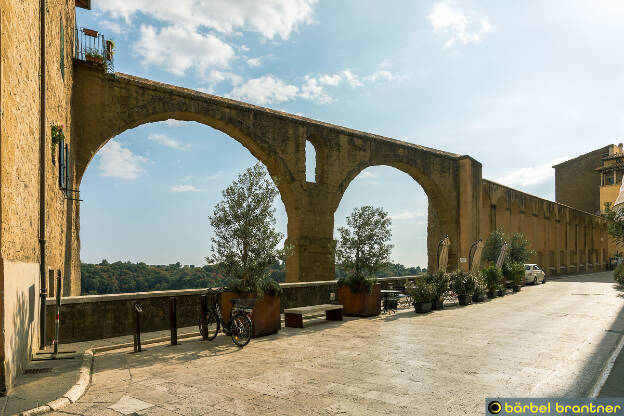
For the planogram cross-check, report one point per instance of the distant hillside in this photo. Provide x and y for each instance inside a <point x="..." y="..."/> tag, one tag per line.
<point x="127" y="277"/>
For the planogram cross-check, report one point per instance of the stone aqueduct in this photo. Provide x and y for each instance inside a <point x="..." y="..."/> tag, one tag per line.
<point x="462" y="205"/>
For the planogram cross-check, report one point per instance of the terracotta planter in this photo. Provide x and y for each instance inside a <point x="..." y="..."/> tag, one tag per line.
<point x="360" y="304"/>
<point x="265" y="315"/>
<point x="95" y="59"/>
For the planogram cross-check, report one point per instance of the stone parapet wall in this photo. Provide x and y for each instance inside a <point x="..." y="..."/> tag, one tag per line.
<point x="85" y="318"/>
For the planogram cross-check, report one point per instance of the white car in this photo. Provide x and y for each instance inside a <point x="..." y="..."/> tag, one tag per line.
<point x="533" y="274"/>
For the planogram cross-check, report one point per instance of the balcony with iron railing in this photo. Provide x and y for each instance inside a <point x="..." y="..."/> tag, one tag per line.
<point x="92" y="47"/>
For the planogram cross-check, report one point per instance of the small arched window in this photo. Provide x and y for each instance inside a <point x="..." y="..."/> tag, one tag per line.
<point x="310" y="158"/>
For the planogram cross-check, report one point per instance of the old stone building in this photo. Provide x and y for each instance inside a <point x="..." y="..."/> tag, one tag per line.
<point x="589" y="181"/>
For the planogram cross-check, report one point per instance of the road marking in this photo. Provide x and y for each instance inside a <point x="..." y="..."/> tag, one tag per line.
<point x="607" y="369"/>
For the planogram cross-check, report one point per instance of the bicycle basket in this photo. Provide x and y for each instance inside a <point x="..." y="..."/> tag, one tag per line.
<point x="243" y="304"/>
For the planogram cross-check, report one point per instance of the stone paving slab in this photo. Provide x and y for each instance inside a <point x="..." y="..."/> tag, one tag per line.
<point x="547" y="340"/>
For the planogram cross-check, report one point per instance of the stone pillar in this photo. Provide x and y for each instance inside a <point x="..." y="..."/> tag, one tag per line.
<point x="470" y="189"/>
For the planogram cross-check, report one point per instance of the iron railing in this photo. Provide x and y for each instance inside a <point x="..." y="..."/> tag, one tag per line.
<point x="91" y="46"/>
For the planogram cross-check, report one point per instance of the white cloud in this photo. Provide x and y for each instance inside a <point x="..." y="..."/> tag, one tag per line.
<point x="175" y="123"/>
<point x="532" y="175"/>
<point x="119" y="162"/>
<point x="254" y="62"/>
<point x="265" y="90"/>
<point x="367" y="175"/>
<point x="408" y="215"/>
<point x="270" y="19"/>
<point x="455" y="25"/>
<point x="270" y="90"/>
<point x="167" y="141"/>
<point x="184" y="188"/>
<point x="179" y="49"/>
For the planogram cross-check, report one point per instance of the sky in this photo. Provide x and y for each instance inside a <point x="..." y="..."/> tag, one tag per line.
<point x="519" y="86"/>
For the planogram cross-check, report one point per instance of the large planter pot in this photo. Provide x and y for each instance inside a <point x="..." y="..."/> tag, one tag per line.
<point x="502" y="292"/>
<point x="478" y="298"/>
<point x="422" y="307"/>
<point x="464" y="299"/>
<point x="516" y="288"/>
<point x="360" y="304"/>
<point x="491" y="294"/>
<point x="265" y="315"/>
<point x="437" y="305"/>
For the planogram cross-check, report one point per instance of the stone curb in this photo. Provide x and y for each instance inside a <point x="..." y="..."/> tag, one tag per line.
<point x="73" y="394"/>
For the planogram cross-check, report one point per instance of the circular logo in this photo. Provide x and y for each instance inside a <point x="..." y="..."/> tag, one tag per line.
<point x="494" y="407"/>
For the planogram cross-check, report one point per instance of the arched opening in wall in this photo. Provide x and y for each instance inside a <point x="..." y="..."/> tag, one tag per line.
<point x="147" y="195"/>
<point x="406" y="203"/>
<point x="310" y="161"/>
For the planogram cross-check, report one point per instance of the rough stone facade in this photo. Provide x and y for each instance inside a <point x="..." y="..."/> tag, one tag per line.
<point x="21" y="48"/>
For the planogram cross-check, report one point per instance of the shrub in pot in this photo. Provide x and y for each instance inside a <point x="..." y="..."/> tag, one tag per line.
<point x="463" y="284"/>
<point x="421" y="293"/>
<point x="363" y="249"/>
<point x="440" y="282"/>
<point x="516" y="275"/>
<point x="480" y="288"/>
<point x="618" y="274"/>
<point x="359" y="295"/>
<point x="493" y="278"/>
<point x="245" y="246"/>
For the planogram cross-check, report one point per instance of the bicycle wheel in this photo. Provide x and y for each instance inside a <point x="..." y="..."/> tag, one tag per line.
<point x="212" y="326"/>
<point x="240" y="329"/>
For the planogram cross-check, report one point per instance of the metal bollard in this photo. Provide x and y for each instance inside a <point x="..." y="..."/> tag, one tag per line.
<point x="137" y="327"/>
<point x="172" y="318"/>
<point x="202" y="318"/>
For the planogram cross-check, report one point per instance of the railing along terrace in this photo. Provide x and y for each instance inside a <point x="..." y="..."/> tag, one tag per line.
<point x="91" y="46"/>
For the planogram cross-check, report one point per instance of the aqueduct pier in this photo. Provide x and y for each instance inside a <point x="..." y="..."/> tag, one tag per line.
<point x="462" y="204"/>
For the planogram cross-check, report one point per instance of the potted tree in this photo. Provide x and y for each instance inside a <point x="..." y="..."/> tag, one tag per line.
<point x="515" y="270"/>
<point x="245" y="245"/>
<point x="493" y="277"/>
<point x="440" y="282"/>
<point x="362" y="251"/>
<point x="480" y="288"/>
<point x="463" y="284"/>
<point x="421" y="293"/>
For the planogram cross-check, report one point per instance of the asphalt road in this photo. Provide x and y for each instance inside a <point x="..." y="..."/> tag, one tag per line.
<point x="548" y="340"/>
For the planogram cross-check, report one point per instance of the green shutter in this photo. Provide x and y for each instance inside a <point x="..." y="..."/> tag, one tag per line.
<point x="62" y="50"/>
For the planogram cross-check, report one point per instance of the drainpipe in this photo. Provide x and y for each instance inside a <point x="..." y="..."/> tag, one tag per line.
<point x="42" y="175"/>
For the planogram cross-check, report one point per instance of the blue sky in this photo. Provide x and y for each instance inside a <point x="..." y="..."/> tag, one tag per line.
<point x="519" y="86"/>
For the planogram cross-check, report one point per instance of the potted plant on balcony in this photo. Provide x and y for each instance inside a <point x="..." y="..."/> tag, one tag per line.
<point x="480" y="288"/>
<point x="493" y="277"/>
<point x="362" y="251"/>
<point x="440" y="282"/>
<point x="245" y="245"/>
<point x="421" y="293"/>
<point x="463" y="284"/>
<point x="94" y="56"/>
<point x="57" y="135"/>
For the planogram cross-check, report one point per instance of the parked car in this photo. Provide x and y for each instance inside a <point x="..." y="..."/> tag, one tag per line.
<point x="533" y="274"/>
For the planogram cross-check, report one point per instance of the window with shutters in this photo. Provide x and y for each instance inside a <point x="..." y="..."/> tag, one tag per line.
<point x="63" y="165"/>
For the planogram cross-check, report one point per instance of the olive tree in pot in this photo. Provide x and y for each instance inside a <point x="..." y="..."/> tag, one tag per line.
<point x="515" y="274"/>
<point x="362" y="250"/>
<point x="493" y="277"/>
<point x="421" y="293"/>
<point x="245" y="245"/>
<point x="440" y="282"/>
<point x="480" y="288"/>
<point x="463" y="284"/>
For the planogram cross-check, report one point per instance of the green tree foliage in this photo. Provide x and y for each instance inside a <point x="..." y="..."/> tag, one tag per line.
<point x="493" y="245"/>
<point x="519" y="250"/>
<point x="493" y="277"/>
<point x="246" y="242"/>
<point x="363" y="248"/>
<point x="618" y="274"/>
<point x="615" y="223"/>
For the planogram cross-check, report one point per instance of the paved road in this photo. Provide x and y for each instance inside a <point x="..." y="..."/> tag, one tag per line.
<point x="548" y="340"/>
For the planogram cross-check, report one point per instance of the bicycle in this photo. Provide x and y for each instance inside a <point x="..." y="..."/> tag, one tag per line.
<point x="239" y="326"/>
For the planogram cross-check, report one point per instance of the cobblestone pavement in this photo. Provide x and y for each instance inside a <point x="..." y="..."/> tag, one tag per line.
<point x="547" y="340"/>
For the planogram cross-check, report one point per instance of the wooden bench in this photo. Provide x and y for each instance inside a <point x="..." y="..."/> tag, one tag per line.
<point x="293" y="317"/>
